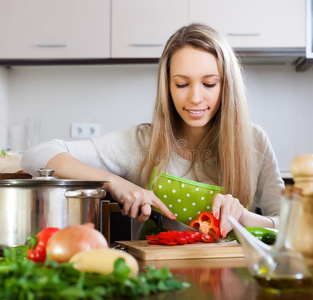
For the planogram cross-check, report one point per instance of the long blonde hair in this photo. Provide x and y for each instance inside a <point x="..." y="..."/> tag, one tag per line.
<point x="229" y="138"/>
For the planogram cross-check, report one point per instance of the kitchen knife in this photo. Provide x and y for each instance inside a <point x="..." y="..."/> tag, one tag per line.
<point x="163" y="221"/>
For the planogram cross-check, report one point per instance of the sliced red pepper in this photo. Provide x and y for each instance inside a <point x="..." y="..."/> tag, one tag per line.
<point x="167" y="242"/>
<point x="207" y="224"/>
<point x="194" y="234"/>
<point x="152" y="237"/>
<point x="182" y="241"/>
<point x="172" y="238"/>
<point x="205" y="238"/>
<point x="36" y="248"/>
<point x="153" y="242"/>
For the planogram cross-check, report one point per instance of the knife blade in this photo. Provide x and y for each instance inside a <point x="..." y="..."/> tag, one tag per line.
<point x="163" y="221"/>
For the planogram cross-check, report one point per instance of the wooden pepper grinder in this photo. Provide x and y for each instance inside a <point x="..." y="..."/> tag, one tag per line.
<point x="302" y="172"/>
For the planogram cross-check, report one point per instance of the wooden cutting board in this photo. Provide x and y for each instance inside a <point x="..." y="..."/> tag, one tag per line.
<point x="142" y="250"/>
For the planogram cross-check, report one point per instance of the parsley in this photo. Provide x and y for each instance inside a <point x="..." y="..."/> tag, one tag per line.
<point x="21" y="278"/>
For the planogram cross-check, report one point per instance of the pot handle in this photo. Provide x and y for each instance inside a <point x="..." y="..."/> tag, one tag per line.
<point x="85" y="193"/>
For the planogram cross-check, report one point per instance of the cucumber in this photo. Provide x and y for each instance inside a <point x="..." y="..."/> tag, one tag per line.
<point x="266" y="235"/>
<point x="269" y="238"/>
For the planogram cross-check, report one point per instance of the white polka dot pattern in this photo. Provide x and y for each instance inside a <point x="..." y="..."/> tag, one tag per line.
<point x="185" y="198"/>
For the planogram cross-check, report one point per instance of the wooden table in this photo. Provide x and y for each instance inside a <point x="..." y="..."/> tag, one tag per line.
<point x="218" y="279"/>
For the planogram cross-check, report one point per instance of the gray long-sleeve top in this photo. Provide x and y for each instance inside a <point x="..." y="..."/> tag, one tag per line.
<point x="120" y="153"/>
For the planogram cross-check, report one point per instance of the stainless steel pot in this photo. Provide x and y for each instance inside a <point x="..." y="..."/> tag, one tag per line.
<point x="30" y="205"/>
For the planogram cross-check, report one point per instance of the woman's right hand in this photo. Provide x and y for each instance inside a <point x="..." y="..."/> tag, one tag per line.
<point x="135" y="198"/>
<point x="130" y="195"/>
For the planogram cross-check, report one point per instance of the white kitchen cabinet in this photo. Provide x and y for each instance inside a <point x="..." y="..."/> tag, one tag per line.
<point x="254" y="23"/>
<point x="140" y="28"/>
<point x="51" y="29"/>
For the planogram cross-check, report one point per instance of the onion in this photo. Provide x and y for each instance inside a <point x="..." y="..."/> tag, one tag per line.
<point x="73" y="239"/>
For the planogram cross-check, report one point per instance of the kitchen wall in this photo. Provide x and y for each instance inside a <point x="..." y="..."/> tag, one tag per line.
<point x="44" y="101"/>
<point x="52" y="98"/>
<point x="3" y="107"/>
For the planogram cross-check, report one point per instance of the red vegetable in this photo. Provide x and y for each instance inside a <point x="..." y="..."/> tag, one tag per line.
<point x="36" y="248"/>
<point x="205" y="238"/>
<point x="207" y="224"/>
<point x="172" y="238"/>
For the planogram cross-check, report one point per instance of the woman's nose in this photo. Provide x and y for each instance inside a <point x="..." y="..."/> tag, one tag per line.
<point x="195" y="96"/>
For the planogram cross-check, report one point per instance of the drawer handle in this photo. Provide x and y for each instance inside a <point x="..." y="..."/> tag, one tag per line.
<point x="145" y="45"/>
<point x="244" y="34"/>
<point x="51" y="45"/>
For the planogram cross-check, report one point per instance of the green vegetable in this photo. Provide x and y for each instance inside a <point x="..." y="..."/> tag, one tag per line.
<point x="269" y="238"/>
<point x="230" y="236"/>
<point x="266" y="235"/>
<point x="3" y="153"/>
<point x="19" y="251"/>
<point x="24" y="279"/>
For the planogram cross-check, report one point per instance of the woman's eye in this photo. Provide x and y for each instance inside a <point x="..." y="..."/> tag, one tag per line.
<point x="209" y="85"/>
<point x="181" y="85"/>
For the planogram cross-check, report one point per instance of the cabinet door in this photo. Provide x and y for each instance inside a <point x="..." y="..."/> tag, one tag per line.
<point x="54" y="29"/>
<point x="140" y="28"/>
<point x="254" y="23"/>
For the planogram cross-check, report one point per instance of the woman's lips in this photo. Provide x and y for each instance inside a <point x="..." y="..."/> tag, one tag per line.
<point x="196" y="113"/>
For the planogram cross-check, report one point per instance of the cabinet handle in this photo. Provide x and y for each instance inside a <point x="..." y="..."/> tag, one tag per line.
<point x="50" y="45"/>
<point x="244" y="34"/>
<point x="145" y="45"/>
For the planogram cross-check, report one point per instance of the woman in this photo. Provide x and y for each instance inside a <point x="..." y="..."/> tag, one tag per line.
<point x="200" y="132"/>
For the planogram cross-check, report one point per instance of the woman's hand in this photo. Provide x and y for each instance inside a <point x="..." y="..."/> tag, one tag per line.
<point x="134" y="198"/>
<point x="225" y="205"/>
<point x="130" y="195"/>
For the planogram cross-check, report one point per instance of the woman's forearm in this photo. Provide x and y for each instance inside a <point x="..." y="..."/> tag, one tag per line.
<point x="252" y="219"/>
<point x="130" y="195"/>
<point x="67" y="167"/>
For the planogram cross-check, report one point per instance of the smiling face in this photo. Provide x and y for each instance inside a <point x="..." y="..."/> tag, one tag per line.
<point x="195" y="86"/>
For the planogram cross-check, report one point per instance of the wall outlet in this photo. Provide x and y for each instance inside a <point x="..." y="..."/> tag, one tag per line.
<point x="85" y="130"/>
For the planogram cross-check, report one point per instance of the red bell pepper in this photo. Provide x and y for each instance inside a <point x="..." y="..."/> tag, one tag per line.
<point x="207" y="224"/>
<point x="205" y="238"/>
<point x="36" y="248"/>
<point x="172" y="238"/>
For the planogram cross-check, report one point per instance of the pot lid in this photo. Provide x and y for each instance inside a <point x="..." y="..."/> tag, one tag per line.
<point x="45" y="178"/>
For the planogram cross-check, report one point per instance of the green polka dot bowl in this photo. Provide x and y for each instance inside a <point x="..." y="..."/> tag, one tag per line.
<point x="185" y="198"/>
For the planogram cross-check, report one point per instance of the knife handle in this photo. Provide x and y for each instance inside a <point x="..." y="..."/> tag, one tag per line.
<point x="156" y="217"/>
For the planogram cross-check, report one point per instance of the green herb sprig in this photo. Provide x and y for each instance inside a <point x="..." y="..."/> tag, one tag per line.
<point x="26" y="280"/>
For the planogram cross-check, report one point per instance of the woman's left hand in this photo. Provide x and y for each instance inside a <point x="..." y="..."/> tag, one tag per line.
<point x="223" y="206"/>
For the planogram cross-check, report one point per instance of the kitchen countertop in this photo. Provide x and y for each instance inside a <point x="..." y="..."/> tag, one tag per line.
<point x="218" y="279"/>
